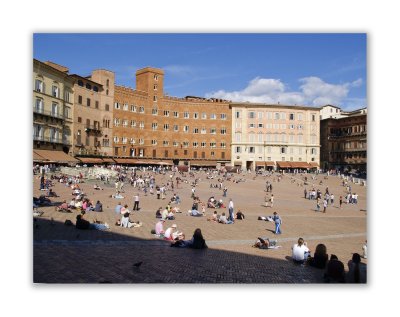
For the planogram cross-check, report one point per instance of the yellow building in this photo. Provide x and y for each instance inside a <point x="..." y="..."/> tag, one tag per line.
<point x="53" y="97"/>
<point x="275" y="136"/>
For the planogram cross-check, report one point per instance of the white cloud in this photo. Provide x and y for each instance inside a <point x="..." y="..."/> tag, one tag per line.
<point x="312" y="91"/>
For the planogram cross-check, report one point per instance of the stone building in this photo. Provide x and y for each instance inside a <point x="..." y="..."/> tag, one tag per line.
<point x="53" y="97"/>
<point x="344" y="142"/>
<point x="274" y="136"/>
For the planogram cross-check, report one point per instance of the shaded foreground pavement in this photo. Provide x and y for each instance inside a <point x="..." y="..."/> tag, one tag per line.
<point x="63" y="254"/>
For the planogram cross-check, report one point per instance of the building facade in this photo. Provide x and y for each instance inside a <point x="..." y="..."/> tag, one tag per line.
<point x="150" y="125"/>
<point x="270" y="135"/>
<point x="344" y="142"/>
<point x="92" y="114"/>
<point x="53" y="97"/>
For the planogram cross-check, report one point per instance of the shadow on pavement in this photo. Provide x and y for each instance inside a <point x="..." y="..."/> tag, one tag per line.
<point x="92" y="256"/>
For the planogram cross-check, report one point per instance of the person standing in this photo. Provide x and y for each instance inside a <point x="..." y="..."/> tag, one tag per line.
<point x="225" y="190"/>
<point x="278" y="221"/>
<point x="230" y="209"/>
<point x="325" y="205"/>
<point x="136" y="202"/>
<point x="271" y="200"/>
<point x="332" y="199"/>
<point x="305" y="193"/>
<point x="340" y="202"/>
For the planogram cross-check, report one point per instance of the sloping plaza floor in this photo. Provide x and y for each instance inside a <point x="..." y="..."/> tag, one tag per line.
<point x="63" y="254"/>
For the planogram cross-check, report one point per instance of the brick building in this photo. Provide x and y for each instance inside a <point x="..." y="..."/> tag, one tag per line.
<point x="150" y="125"/>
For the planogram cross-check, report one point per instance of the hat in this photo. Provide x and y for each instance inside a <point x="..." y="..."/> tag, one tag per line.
<point x="173" y="226"/>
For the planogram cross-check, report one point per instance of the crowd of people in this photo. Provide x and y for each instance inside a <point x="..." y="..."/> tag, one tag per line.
<point x="144" y="183"/>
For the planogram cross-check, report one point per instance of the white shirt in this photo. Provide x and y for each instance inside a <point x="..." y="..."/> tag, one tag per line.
<point x="231" y="204"/>
<point x="298" y="252"/>
<point x="168" y="233"/>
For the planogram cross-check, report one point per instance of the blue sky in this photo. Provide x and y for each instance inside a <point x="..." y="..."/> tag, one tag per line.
<point x="309" y="69"/>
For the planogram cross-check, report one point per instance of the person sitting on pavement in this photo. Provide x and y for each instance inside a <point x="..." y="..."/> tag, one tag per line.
<point x="300" y="252"/>
<point x="63" y="207"/>
<point x="197" y="241"/>
<point x="83" y="224"/>
<point x="222" y="219"/>
<point x="159" y="228"/>
<point x="126" y="223"/>
<point x="240" y="215"/>
<point x="214" y="217"/>
<point x="158" y="213"/>
<point x="320" y="257"/>
<point x="171" y="233"/>
<point x="334" y="271"/>
<point x="195" y="213"/>
<point x="72" y="204"/>
<point x="98" y="207"/>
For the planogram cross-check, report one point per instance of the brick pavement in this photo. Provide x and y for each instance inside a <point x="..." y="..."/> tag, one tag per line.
<point x="67" y="255"/>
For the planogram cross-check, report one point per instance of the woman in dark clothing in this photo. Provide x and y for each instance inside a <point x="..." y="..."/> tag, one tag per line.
<point x="320" y="257"/>
<point x="198" y="241"/>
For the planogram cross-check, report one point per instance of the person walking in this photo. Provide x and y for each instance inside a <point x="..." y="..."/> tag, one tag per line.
<point x="340" y="202"/>
<point x="325" y="205"/>
<point x="271" y="200"/>
<point x="136" y="202"/>
<point x="230" y="209"/>
<point x="278" y="221"/>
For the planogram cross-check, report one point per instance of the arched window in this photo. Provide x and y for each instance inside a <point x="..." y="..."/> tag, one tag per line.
<point x="80" y="83"/>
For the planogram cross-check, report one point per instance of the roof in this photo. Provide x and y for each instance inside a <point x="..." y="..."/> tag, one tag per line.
<point x="264" y="105"/>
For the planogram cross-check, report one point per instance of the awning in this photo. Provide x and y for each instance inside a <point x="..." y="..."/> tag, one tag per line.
<point x="313" y="164"/>
<point x="37" y="158"/>
<point x="260" y="163"/>
<point x="299" y="164"/>
<point x="237" y="163"/>
<point x="283" y="164"/>
<point x="90" y="160"/>
<point x="56" y="156"/>
<point x="126" y="161"/>
<point x="108" y="160"/>
<point x="269" y="163"/>
<point x="164" y="163"/>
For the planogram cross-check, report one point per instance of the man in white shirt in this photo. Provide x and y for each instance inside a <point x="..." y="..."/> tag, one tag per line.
<point x="169" y="233"/>
<point x="136" y="202"/>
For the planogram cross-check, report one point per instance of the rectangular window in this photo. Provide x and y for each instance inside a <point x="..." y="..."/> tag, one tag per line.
<point x="276" y="115"/>
<point x="238" y="137"/>
<point x="213" y="131"/>
<point x="186" y="128"/>
<point x="313" y="117"/>
<point x="195" y="144"/>
<point x="117" y="105"/>
<point x="96" y="104"/>
<point x="124" y="123"/>
<point x="38" y="85"/>
<point x="213" y="144"/>
<point x="252" y="115"/>
<point x="166" y="127"/>
<point x="223" y="145"/>
<point x="291" y="116"/>
<point x="213" y="116"/>
<point x="166" y="113"/>
<point x="141" y="125"/>
<point x="238" y="149"/>
<point x="154" y="126"/>
<point x="176" y="128"/>
<point x="141" y="109"/>
<point x="203" y="144"/>
<point x="300" y="117"/>
<point x="237" y="114"/>
<point x="124" y="140"/>
<point x="175" y="144"/>
<point x="203" y="130"/>
<point x="154" y="111"/>
<point x="186" y="115"/>
<point x="165" y="143"/>
<point x="196" y="130"/>
<point x="176" y="114"/>
<point x="185" y="144"/>
<point x="133" y="108"/>
<point x="252" y="125"/>
<point x="153" y="142"/>
<point x="125" y="107"/>
<point x="88" y="102"/>
<point x="204" y="115"/>
<point x="260" y="115"/>
<point x="212" y="153"/>
<point x="195" y="115"/>
<point x="223" y="116"/>
<point x="252" y="149"/>
<point x="55" y="91"/>
<point x="141" y="141"/>
<point x="223" y="130"/>
<point x="260" y="125"/>
<point x="260" y="137"/>
<point x="133" y="123"/>
<point x="80" y="99"/>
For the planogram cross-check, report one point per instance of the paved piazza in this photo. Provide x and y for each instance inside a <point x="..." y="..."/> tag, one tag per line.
<point x="64" y="254"/>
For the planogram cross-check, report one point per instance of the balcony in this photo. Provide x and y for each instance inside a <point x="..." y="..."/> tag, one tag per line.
<point x="51" y="114"/>
<point x="93" y="129"/>
<point x="50" y="139"/>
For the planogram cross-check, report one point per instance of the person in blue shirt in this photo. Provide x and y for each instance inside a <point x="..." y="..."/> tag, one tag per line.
<point x="278" y="221"/>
